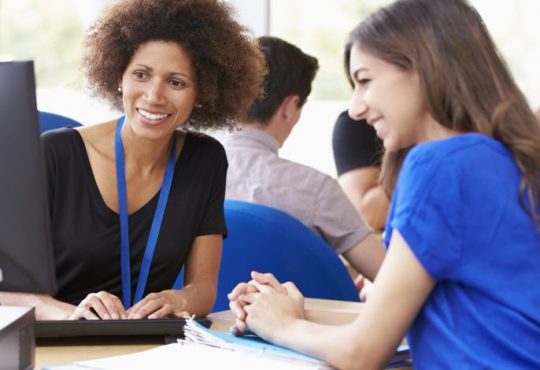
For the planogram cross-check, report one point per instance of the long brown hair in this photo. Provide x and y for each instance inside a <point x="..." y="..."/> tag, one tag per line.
<point x="465" y="82"/>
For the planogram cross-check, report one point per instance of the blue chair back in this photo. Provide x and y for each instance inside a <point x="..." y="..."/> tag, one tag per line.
<point x="50" y="121"/>
<point x="265" y="239"/>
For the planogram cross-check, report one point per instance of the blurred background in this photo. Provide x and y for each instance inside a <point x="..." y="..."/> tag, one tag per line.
<point x="50" y="33"/>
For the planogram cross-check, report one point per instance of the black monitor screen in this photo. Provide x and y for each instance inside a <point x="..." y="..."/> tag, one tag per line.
<point x="26" y="256"/>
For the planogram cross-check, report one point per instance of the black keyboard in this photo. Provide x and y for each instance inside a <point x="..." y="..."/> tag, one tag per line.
<point x="113" y="328"/>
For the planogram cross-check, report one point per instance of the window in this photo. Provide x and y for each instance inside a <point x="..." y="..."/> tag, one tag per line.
<point x="50" y="33"/>
<point x="320" y="28"/>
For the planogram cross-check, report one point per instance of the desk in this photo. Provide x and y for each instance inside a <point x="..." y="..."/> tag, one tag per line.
<point x="319" y="310"/>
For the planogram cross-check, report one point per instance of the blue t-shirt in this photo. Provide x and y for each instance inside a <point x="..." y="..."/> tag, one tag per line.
<point x="457" y="205"/>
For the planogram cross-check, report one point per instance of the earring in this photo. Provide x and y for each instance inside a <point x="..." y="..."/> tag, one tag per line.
<point x="198" y="106"/>
<point x="119" y="89"/>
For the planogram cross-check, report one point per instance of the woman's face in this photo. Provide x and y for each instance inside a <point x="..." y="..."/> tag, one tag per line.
<point x="159" y="89"/>
<point x="390" y="99"/>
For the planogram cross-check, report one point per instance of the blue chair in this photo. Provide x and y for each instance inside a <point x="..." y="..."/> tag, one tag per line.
<point x="265" y="239"/>
<point x="50" y="121"/>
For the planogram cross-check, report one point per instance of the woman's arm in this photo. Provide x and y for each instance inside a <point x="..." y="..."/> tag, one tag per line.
<point x="364" y="192"/>
<point x="399" y="291"/>
<point x="198" y="295"/>
<point x="47" y="308"/>
<point x="367" y="256"/>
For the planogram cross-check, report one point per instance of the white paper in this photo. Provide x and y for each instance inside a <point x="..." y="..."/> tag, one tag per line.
<point x="190" y="356"/>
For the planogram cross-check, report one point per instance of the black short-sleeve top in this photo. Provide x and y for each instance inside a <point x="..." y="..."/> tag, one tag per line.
<point x="86" y="233"/>
<point x="355" y="144"/>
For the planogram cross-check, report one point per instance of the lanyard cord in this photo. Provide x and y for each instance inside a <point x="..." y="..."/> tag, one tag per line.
<point x="125" y="264"/>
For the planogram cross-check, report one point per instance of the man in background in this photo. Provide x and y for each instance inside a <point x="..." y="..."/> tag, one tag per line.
<point x="258" y="175"/>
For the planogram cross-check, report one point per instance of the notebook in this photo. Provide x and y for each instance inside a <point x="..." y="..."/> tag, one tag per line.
<point x="196" y="333"/>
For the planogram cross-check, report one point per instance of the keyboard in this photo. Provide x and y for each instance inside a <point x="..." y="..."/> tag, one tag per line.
<point x="113" y="328"/>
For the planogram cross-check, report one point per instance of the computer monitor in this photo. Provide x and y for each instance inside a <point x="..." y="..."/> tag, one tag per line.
<point x="26" y="255"/>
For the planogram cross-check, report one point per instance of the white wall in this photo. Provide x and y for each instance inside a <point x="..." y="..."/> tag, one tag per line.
<point x="254" y="14"/>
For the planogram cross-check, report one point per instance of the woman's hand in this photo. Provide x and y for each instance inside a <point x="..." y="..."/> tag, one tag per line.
<point x="167" y="303"/>
<point x="364" y="286"/>
<point x="237" y="306"/>
<point x="102" y="305"/>
<point x="267" y="309"/>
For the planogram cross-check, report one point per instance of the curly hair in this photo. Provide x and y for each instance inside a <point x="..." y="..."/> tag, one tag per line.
<point x="228" y="65"/>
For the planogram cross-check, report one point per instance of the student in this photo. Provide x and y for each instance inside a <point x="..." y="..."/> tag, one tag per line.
<point x="464" y="225"/>
<point x="257" y="174"/>
<point x="165" y="64"/>
<point x="357" y="154"/>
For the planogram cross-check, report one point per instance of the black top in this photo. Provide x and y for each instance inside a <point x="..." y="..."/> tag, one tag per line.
<point x="86" y="233"/>
<point x="355" y="144"/>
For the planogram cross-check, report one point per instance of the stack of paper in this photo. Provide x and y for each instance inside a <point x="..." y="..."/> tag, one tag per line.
<point x="251" y="344"/>
<point x="196" y="333"/>
<point x="208" y="349"/>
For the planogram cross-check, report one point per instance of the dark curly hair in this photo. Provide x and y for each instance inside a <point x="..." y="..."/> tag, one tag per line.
<point x="229" y="67"/>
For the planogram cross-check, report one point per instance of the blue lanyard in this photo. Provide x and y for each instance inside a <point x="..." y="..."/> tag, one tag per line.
<point x="124" y="227"/>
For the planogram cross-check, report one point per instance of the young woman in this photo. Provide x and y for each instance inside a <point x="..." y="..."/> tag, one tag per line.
<point x="135" y="199"/>
<point x="463" y="231"/>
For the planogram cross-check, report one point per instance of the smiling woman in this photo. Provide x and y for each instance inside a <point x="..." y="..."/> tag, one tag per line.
<point x="399" y="125"/>
<point x="225" y="65"/>
<point x="134" y="200"/>
<point x="158" y="97"/>
<point x="456" y="228"/>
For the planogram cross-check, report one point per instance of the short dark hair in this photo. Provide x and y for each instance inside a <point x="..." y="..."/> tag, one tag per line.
<point x="289" y="72"/>
<point x="229" y="67"/>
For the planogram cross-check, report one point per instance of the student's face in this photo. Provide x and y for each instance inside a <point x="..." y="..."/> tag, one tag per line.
<point x="389" y="98"/>
<point x="159" y="89"/>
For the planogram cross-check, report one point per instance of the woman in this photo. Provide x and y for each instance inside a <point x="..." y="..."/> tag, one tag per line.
<point x="463" y="229"/>
<point x="135" y="199"/>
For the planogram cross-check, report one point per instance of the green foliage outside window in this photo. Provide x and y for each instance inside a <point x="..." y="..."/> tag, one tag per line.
<point x="321" y="28"/>
<point x="47" y="31"/>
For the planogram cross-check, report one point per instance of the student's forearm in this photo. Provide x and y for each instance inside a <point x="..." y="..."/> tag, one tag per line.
<point x="339" y="346"/>
<point x="47" y="308"/>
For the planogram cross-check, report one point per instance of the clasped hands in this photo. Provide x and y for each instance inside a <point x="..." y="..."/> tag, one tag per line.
<point x="106" y="306"/>
<point x="264" y="306"/>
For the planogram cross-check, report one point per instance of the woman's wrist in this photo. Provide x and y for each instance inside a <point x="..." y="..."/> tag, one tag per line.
<point x="48" y="308"/>
<point x="283" y="332"/>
